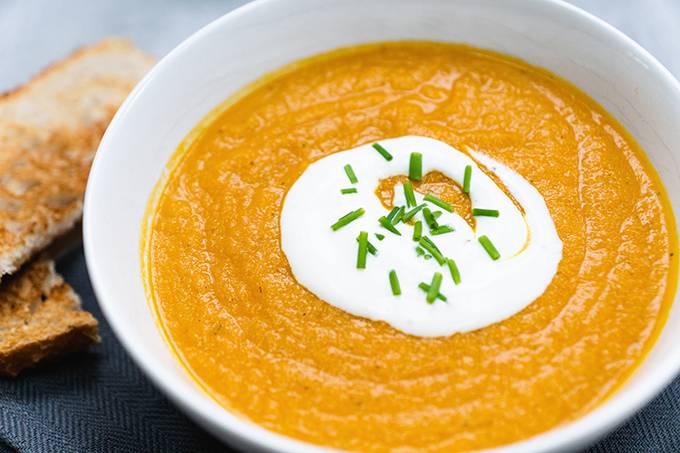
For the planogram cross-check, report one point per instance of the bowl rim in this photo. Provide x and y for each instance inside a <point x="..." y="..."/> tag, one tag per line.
<point x="228" y="426"/>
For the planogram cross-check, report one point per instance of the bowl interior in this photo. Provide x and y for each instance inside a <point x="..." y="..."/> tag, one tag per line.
<point x="265" y="35"/>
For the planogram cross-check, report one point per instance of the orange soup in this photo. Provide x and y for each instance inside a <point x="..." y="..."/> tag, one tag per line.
<point x="265" y="347"/>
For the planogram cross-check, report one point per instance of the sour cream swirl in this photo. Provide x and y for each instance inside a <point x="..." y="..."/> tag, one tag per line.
<point x="324" y="261"/>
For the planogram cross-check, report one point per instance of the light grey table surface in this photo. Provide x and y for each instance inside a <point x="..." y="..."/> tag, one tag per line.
<point x="36" y="32"/>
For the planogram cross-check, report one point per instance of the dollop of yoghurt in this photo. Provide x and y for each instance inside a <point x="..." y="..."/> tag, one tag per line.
<point x="324" y="261"/>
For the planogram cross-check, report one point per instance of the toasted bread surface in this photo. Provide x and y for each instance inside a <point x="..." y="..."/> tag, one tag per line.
<point x="49" y="131"/>
<point x="40" y="318"/>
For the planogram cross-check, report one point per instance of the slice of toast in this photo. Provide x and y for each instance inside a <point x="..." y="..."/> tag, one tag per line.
<point x="40" y="317"/>
<point x="49" y="131"/>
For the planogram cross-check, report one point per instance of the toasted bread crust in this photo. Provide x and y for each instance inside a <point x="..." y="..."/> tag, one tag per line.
<point x="40" y="317"/>
<point x="49" y="131"/>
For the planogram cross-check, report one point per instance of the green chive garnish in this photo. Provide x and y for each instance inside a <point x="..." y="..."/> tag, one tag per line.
<point x="363" y="250"/>
<point x="394" y="283"/>
<point x="433" y="291"/>
<point x="442" y="230"/>
<point x="347" y="218"/>
<point x="346" y="191"/>
<point x="436" y="214"/>
<point x="429" y="219"/>
<point x="453" y="268"/>
<point x="385" y="223"/>
<point x="415" y="167"/>
<point x="419" y="251"/>
<point x="479" y="212"/>
<point x="408" y="215"/>
<point x="398" y="216"/>
<point x="428" y="245"/>
<point x="417" y="230"/>
<point x="489" y="247"/>
<point x="380" y="236"/>
<point x="383" y="152"/>
<point x="428" y="257"/>
<point x="371" y="248"/>
<point x="436" y="201"/>
<point x="392" y="213"/>
<point x="350" y="174"/>
<point x="425" y="287"/>
<point x="432" y="244"/>
<point x="466" y="179"/>
<point x="408" y="193"/>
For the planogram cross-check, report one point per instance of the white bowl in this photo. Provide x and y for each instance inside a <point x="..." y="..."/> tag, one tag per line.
<point x="262" y="36"/>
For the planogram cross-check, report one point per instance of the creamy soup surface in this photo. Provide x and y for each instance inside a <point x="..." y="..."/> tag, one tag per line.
<point x="267" y="348"/>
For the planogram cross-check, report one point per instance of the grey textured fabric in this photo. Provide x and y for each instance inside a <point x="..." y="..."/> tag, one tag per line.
<point x="99" y="401"/>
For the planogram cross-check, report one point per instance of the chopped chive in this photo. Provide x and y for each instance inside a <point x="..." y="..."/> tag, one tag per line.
<point x="442" y="230"/>
<point x="453" y="268"/>
<point x="363" y="250"/>
<point x="479" y="212"/>
<point x="489" y="247"/>
<point x="436" y="201"/>
<point x="432" y="244"/>
<point x="436" y="214"/>
<point x="427" y="257"/>
<point x="433" y="291"/>
<point x="415" y="167"/>
<point x="408" y="215"/>
<point x="419" y="251"/>
<point x="398" y="216"/>
<point x="394" y="283"/>
<point x="350" y="174"/>
<point x="383" y="152"/>
<point x="392" y="213"/>
<point x="428" y="245"/>
<point x="425" y="287"/>
<point x="385" y="223"/>
<point x="371" y="248"/>
<point x="350" y="190"/>
<point x="409" y="195"/>
<point x="380" y="236"/>
<point x="417" y="230"/>
<point x="466" y="178"/>
<point x="347" y="218"/>
<point x="429" y="219"/>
